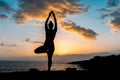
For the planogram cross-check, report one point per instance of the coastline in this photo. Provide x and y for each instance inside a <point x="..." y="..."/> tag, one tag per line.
<point x="100" y="63"/>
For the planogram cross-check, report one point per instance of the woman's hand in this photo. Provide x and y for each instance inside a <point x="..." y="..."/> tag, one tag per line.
<point x="52" y="12"/>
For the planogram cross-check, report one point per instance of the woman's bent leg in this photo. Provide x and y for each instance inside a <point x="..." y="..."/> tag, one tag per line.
<point x="40" y="49"/>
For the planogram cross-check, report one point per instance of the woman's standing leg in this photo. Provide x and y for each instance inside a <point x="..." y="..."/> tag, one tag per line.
<point x="50" y="54"/>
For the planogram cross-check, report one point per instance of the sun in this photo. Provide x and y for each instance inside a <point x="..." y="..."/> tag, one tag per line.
<point x="63" y="48"/>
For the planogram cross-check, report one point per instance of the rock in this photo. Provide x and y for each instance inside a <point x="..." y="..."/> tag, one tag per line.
<point x="33" y="70"/>
<point x="70" y="69"/>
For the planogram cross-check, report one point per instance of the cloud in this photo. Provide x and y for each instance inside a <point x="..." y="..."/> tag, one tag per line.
<point x="3" y="17"/>
<point x="8" y="45"/>
<point x="114" y="24"/>
<point x="87" y="34"/>
<point x="112" y="11"/>
<point x="103" y="10"/>
<point x="103" y="16"/>
<point x="28" y="40"/>
<point x="38" y="9"/>
<point x="4" y="7"/>
<point x="112" y="3"/>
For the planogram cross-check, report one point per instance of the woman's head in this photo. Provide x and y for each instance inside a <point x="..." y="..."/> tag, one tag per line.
<point x="50" y="25"/>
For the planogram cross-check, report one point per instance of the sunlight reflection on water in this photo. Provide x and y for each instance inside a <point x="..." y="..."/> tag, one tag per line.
<point x="64" y="66"/>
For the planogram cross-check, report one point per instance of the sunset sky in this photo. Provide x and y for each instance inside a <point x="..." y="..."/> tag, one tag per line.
<point x="84" y="27"/>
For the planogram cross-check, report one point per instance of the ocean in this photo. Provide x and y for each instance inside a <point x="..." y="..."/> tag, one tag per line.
<point x="16" y="66"/>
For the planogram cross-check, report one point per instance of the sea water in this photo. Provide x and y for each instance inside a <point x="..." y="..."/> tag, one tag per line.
<point x="16" y="66"/>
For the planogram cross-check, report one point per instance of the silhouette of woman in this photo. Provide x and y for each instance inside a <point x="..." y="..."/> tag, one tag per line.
<point x="48" y="46"/>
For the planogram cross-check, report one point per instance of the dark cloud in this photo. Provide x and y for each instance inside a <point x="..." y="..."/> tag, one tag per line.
<point x="112" y="11"/>
<point x="38" y="42"/>
<point x="115" y="13"/>
<point x="18" y="18"/>
<point x="4" y="7"/>
<point x="84" y="33"/>
<point x="3" y="16"/>
<point x="29" y="40"/>
<point x="112" y="3"/>
<point x="5" y="10"/>
<point x="104" y="10"/>
<point x="103" y="16"/>
<point x="115" y="22"/>
<point x="8" y="45"/>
